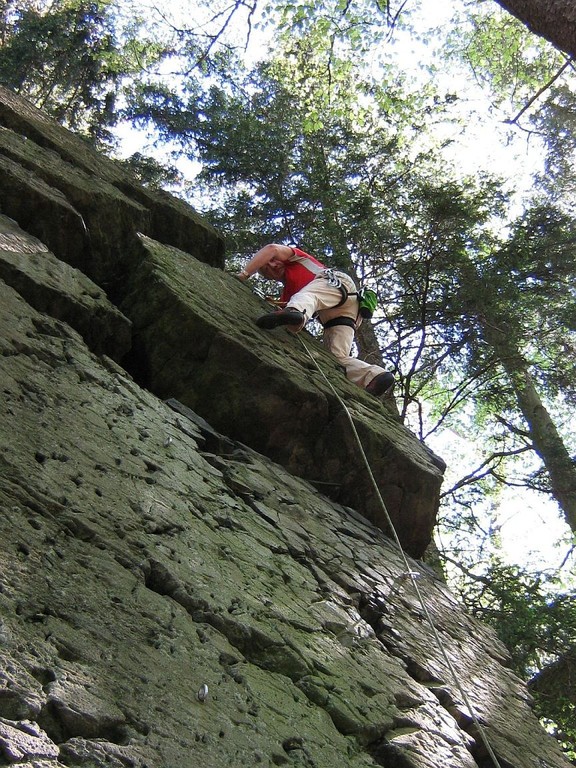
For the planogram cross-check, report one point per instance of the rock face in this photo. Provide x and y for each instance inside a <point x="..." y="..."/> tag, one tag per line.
<point x="194" y="339"/>
<point x="195" y="568"/>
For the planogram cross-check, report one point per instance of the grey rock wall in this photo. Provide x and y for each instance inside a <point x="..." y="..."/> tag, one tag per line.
<point x="177" y="587"/>
<point x="145" y="556"/>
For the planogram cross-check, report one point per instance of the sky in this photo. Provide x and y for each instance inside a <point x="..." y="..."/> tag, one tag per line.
<point x="531" y="526"/>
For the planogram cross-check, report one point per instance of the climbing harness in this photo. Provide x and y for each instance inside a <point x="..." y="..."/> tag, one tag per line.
<point x="350" y="322"/>
<point x="367" y="300"/>
<point x="412" y="574"/>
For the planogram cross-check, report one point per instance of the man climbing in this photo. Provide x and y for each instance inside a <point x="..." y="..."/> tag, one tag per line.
<point x="312" y="290"/>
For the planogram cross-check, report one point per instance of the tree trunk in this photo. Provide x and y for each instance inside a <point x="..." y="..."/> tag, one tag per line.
<point x="547" y="442"/>
<point x="556" y="681"/>
<point x="554" y="20"/>
<point x="555" y="692"/>
<point x="368" y="347"/>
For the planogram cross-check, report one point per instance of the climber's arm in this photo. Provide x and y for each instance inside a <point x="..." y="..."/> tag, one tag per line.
<point x="269" y="255"/>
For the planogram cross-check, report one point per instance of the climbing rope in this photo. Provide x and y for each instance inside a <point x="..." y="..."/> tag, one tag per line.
<point x="412" y="574"/>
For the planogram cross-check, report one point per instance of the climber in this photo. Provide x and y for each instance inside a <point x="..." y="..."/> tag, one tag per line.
<point x="312" y="290"/>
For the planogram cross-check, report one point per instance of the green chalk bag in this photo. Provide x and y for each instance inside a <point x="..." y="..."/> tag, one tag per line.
<point x="368" y="301"/>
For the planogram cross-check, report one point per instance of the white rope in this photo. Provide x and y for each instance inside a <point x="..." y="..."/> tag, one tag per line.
<point x="409" y="571"/>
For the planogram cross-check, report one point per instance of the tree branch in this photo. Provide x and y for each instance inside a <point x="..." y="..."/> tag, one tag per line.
<point x="539" y="92"/>
<point x="474" y="477"/>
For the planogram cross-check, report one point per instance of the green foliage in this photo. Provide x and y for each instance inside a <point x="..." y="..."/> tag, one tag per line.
<point x="63" y="60"/>
<point x="336" y="23"/>
<point x="70" y="58"/>
<point x="534" y="620"/>
<point x="150" y="172"/>
<point x="556" y="120"/>
<point x="307" y="177"/>
<point x="539" y="259"/>
<point x="558" y="715"/>
<point x="534" y="615"/>
<point x="502" y="53"/>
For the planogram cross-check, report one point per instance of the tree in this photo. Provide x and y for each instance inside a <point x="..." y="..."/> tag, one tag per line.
<point x="70" y="58"/>
<point x="525" y="311"/>
<point x="327" y="175"/>
<point x="553" y="689"/>
<point x="505" y="304"/>
<point x="552" y="19"/>
<point x="542" y="431"/>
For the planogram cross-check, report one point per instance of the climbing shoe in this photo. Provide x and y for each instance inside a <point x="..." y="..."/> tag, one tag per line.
<point x="383" y="384"/>
<point x="293" y="318"/>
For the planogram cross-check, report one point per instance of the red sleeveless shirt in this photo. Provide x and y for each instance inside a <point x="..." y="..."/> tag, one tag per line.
<point x="299" y="270"/>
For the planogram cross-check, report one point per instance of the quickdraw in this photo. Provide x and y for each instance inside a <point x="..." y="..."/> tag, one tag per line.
<point x="335" y="282"/>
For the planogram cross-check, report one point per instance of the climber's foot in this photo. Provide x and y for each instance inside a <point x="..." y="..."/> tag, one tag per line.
<point x="383" y="384"/>
<point x="293" y="318"/>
